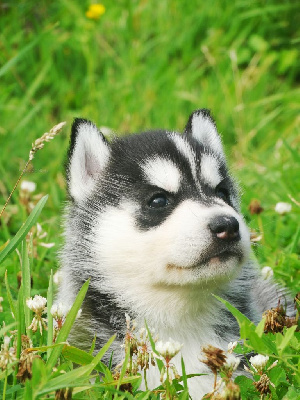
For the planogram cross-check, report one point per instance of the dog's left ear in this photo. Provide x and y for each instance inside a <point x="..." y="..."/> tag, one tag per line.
<point x="203" y="128"/>
<point x="87" y="158"/>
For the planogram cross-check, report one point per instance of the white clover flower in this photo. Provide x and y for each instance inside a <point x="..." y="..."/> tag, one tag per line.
<point x="231" y="346"/>
<point x="37" y="304"/>
<point x="58" y="311"/>
<point x="283" y="208"/>
<point x="232" y="362"/>
<point x="168" y="349"/>
<point x="259" y="361"/>
<point x="267" y="272"/>
<point x="57" y="277"/>
<point x="7" y="354"/>
<point x="28" y="186"/>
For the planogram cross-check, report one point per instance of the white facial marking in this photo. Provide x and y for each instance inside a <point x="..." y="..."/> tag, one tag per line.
<point x="210" y="170"/>
<point x="163" y="173"/>
<point x="205" y="132"/>
<point x="173" y="249"/>
<point x="89" y="158"/>
<point x="186" y="150"/>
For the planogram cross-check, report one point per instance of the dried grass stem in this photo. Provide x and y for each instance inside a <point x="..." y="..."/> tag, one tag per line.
<point x="37" y="145"/>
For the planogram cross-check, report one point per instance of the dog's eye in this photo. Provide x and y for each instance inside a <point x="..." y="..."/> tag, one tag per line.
<point x="158" y="200"/>
<point x="222" y="193"/>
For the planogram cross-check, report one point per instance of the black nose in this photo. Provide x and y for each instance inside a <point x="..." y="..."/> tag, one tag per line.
<point x="225" y="227"/>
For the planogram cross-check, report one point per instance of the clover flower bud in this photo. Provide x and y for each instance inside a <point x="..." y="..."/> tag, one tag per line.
<point x="28" y="186"/>
<point x="231" y="346"/>
<point x="36" y="304"/>
<point x="283" y="208"/>
<point x="169" y="349"/>
<point x="259" y="361"/>
<point x="57" y="277"/>
<point x="58" y="311"/>
<point x="267" y="272"/>
<point x="231" y="391"/>
<point x="232" y="362"/>
<point x="7" y="354"/>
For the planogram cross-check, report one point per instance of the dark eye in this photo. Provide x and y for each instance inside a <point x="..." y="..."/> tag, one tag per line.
<point x="158" y="201"/>
<point x="222" y="193"/>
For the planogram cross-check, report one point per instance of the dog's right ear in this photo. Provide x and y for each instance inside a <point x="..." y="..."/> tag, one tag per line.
<point x="203" y="128"/>
<point x="87" y="157"/>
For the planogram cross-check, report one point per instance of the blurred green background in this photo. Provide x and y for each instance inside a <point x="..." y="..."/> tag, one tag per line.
<point x="148" y="64"/>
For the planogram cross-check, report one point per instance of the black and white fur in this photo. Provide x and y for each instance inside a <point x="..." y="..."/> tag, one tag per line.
<point x="154" y="221"/>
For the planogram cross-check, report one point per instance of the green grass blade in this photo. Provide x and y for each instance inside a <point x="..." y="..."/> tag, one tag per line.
<point x="81" y="357"/>
<point x="184" y="377"/>
<point x="28" y="395"/>
<point x="124" y="367"/>
<point x="288" y="336"/>
<point x="66" y="328"/>
<point x="22" y="232"/>
<point x="6" y="328"/>
<point x="49" y="315"/>
<point x="79" y="375"/>
<point x="6" y="67"/>
<point x="159" y="362"/>
<point x="21" y="328"/>
<point x="9" y="297"/>
<point x="26" y="282"/>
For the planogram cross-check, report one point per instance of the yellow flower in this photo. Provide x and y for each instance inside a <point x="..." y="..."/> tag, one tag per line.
<point x="95" y="11"/>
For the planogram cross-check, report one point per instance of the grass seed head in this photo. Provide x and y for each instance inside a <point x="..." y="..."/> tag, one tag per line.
<point x="46" y="137"/>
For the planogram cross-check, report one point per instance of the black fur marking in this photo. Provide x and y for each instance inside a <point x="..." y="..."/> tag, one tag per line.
<point x="124" y="177"/>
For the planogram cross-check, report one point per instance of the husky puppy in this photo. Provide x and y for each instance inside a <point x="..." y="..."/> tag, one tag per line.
<point x="154" y="222"/>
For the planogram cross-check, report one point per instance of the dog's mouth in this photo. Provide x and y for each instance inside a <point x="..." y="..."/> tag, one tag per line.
<point x="216" y="258"/>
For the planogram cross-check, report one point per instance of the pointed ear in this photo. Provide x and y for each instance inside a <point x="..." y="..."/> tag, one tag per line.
<point x="203" y="128"/>
<point x="87" y="157"/>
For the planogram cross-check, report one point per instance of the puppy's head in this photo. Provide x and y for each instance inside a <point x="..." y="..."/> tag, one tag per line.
<point x="162" y="207"/>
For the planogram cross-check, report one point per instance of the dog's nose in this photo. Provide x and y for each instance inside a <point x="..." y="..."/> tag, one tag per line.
<point x="225" y="227"/>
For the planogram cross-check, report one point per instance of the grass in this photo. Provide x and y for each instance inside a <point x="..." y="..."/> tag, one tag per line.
<point x="148" y="65"/>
